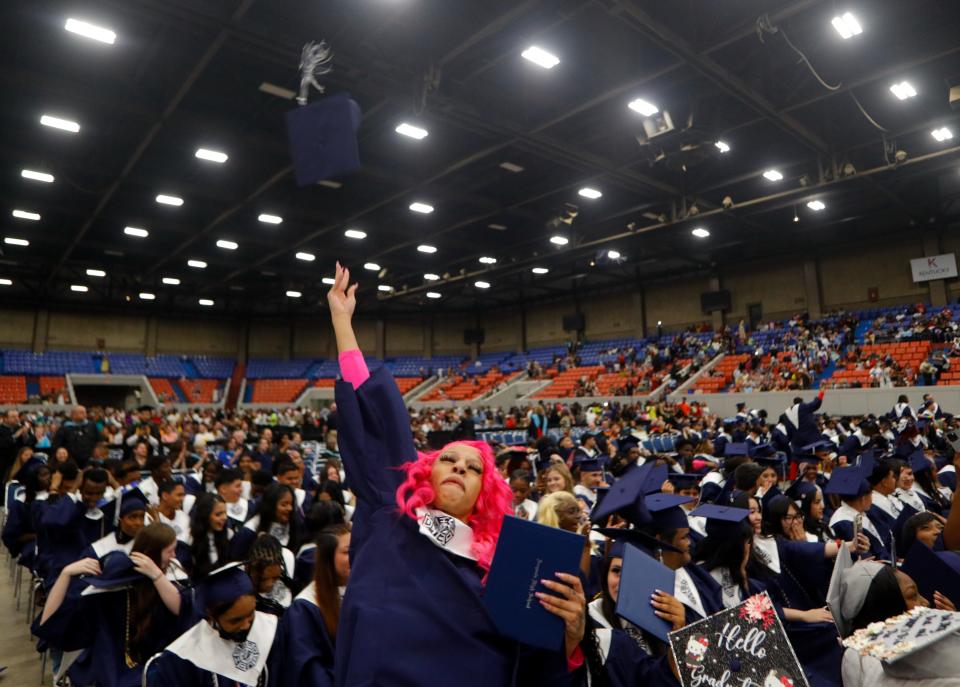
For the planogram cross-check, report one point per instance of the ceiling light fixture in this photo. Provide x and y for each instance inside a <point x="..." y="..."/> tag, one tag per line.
<point x="136" y="231"/>
<point x="700" y="233"/>
<point x="540" y="270"/>
<point x="37" y="176"/>
<point x="278" y="91"/>
<point x="88" y="30"/>
<point x="429" y="276"/>
<point x="211" y="155"/>
<point x="772" y="175"/>
<point x="486" y="260"/>
<point x="171" y="281"/>
<point x="169" y="200"/>
<point x="270" y="219"/>
<point x="497" y="227"/>
<point x="722" y="146"/>
<point x="903" y="90"/>
<point x="372" y="266"/>
<point x="306" y="257"/>
<point x="642" y="107"/>
<point x="482" y="284"/>
<point x="590" y="193"/>
<point x="613" y="255"/>
<point x="227" y="245"/>
<point x="145" y="296"/>
<point x="10" y="241"/>
<point x="293" y="294"/>
<point x="6" y="282"/>
<point x="329" y="281"/>
<point x="384" y="287"/>
<point x="434" y="294"/>
<point x="425" y="248"/>
<point x="511" y="167"/>
<point x="942" y="134"/>
<point x="96" y="273"/>
<point x="411" y="131"/>
<point x="79" y="288"/>
<point x="847" y="25"/>
<point x="559" y="240"/>
<point x="422" y="208"/>
<point x="355" y="234"/>
<point x="198" y="264"/>
<point x="58" y="123"/>
<point x="817" y="205"/>
<point x="205" y="301"/>
<point x="540" y="57"/>
<point x="23" y="214"/>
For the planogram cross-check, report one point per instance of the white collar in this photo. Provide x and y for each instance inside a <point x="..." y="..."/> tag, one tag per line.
<point x="885" y="503"/>
<point x="686" y="591"/>
<point x="309" y="593"/>
<point x="731" y="592"/>
<point x="847" y="514"/>
<point x="765" y="548"/>
<point x="242" y="662"/>
<point x="446" y="531"/>
<point x="238" y="509"/>
<point x="793" y="415"/>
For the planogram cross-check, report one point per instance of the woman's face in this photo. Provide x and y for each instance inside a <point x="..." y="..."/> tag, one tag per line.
<point x="521" y="490"/>
<point x="456" y="478"/>
<point x="210" y="471"/>
<point x="554" y="482"/>
<point x="268" y="578"/>
<point x="341" y="559"/>
<point x="789" y="521"/>
<point x="677" y="559"/>
<point x="167" y="555"/>
<point x="613" y="577"/>
<point x="218" y="517"/>
<point x="245" y="463"/>
<point x="333" y="474"/>
<point x="755" y="517"/>
<point x="906" y="478"/>
<point x="928" y="532"/>
<point x="43" y="478"/>
<point x="284" y="508"/>
<point x="62" y="455"/>
<point x="768" y="478"/>
<point x="911" y="595"/>
<point x="239" y="617"/>
<point x="569" y="514"/>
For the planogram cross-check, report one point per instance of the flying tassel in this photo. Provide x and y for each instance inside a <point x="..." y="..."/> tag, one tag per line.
<point x="316" y="59"/>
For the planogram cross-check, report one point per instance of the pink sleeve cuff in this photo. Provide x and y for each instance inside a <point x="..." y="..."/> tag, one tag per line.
<point x="353" y="368"/>
<point x="821" y="394"/>
<point x="575" y="660"/>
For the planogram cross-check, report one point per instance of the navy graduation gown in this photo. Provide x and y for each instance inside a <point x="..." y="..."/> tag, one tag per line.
<point x="412" y="614"/>
<point x="173" y="670"/>
<point x="303" y="651"/>
<point x="303" y="566"/>
<point x="844" y="530"/>
<point x="882" y="521"/>
<point x="17" y="525"/>
<point x="65" y="533"/>
<point x="806" y="431"/>
<point x="629" y="665"/>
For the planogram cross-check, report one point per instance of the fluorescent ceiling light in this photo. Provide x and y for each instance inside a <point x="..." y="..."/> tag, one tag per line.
<point x="146" y="296"/>
<point x="539" y="270"/>
<point x="540" y="57"/>
<point x="700" y="233"/>
<point x="817" y="205"/>
<point x="613" y="254"/>
<point x="199" y="264"/>
<point x="903" y="90"/>
<point x="136" y="231"/>
<point x="23" y="214"/>
<point x="431" y="277"/>
<point x="425" y="248"/>
<point x="559" y="240"/>
<point x="486" y="260"/>
<point x="169" y="200"/>
<point x="227" y="245"/>
<point x="279" y="91"/>
<point x="329" y="281"/>
<point x="942" y="134"/>
<point x="722" y="146"/>
<point x="497" y="227"/>
<point x="171" y="281"/>
<point x="433" y="294"/>
<point x="372" y="266"/>
<point x="772" y="175"/>
<point x="411" y="131"/>
<point x="79" y="288"/>
<point x="87" y="30"/>
<point x="293" y="294"/>
<point x="10" y="241"/>
<point x="482" y="284"/>
<point x="58" y="123"/>
<point x="384" y="287"/>
<point x="511" y="167"/>
<point x="37" y="176"/>
<point x="205" y="301"/>
<point x="422" y="208"/>
<point x="642" y="107"/>
<point x="847" y="25"/>
<point x="590" y="193"/>
<point x="6" y="282"/>
<point x="270" y="219"/>
<point x="306" y="257"/>
<point x="211" y="155"/>
<point x="355" y="234"/>
<point x="96" y="273"/>
<point x="329" y="183"/>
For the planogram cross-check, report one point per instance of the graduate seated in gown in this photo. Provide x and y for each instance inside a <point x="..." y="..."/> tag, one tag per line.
<point x="203" y="480"/>
<point x="935" y="497"/>
<point x="208" y="544"/>
<point x="130" y="509"/>
<point x="275" y="515"/>
<point x="229" y="483"/>
<point x="228" y="647"/>
<point x="855" y="495"/>
<point x="270" y="567"/>
<point x="305" y="647"/>
<point x="127" y="611"/>
<point x="169" y="509"/>
<point x="19" y="529"/>
<point x="322" y="514"/>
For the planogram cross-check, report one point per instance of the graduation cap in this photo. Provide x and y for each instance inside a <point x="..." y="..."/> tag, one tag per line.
<point x="323" y="138"/>
<point x="906" y="513"/>
<point x="655" y="479"/>
<point x="731" y="450"/>
<point x="588" y="465"/>
<point x="848" y="482"/>
<point x="627" y="443"/>
<point x="625" y="497"/>
<point x="867" y="461"/>
<point x="776" y="461"/>
<point x="128" y="500"/>
<point x="684" y="480"/>
<point x="730" y="421"/>
<point x="30" y="466"/>
<point x="934" y="571"/>
<point x="760" y="450"/>
<point x="822" y="445"/>
<point x="801" y="488"/>
<point x="622" y="536"/>
<point x="768" y="497"/>
<point x="666" y="511"/>
<point x="225" y="585"/>
<point x="116" y="572"/>
<point x="722" y="521"/>
<point x="919" y="462"/>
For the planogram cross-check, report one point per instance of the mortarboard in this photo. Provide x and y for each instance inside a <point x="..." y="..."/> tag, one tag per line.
<point x="116" y="572"/>
<point x="823" y="445"/>
<point x="685" y="480"/>
<point x="919" y="462"/>
<point x="848" y="482"/>
<point x="132" y="501"/>
<point x="655" y="479"/>
<point x="760" y="450"/>
<point x="666" y="511"/>
<point x="627" y="443"/>
<point x="722" y="521"/>
<point x="624" y="497"/>
<point x="768" y="497"/>
<point x="621" y="536"/>
<point x="801" y="488"/>
<point x="736" y="450"/>
<point x="32" y="465"/>
<point x="588" y="465"/>
<point x="906" y="513"/>
<point x="934" y="571"/>
<point x="867" y="461"/>
<point x="225" y="585"/>
<point x="640" y="577"/>
<point x="323" y="138"/>
<point x="776" y="461"/>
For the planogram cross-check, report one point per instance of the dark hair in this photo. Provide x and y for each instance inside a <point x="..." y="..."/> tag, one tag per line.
<point x="209" y="462"/>
<point x="521" y="474"/>
<point x="267" y="511"/>
<point x="168" y="485"/>
<point x="31" y="482"/>
<point x="908" y="536"/>
<point x="746" y="475"/>
<point x="264" y="552"/>
<point x="68" y="470"/>
<point x="125" y="466"/>
<point x="322" y="514"/>
<point x="285" y="466"/>
<point x="813" y="525"/>
<point x="156" y="462"/>
<point x="97" y="475"/>
<point x="261" y="478"/>
<point x="325" y="580"/>
<point x="927" y="481"/>
<point x="335" y="491"/>
<point x="731" y="464"/>
<point x="880" y="472"/>
<point x="226" y="476"/>
<point x="726" y="551"/>
<point x="776" y="510"/>
<point x="150" y="541"/>
<point x="200" y="531"/>
<point x="883" y="600"/>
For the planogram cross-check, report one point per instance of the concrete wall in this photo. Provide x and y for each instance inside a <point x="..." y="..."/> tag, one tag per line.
<point x="545" y="323"/>
<point x="269" y="339"/>
<point x="846" y="276"/>
<point x="404" y="338"/>
<point x="16" y="328"/>
<point x="676" y="304"/>
<point x="502" y="330"/>
<point x="203" y="337"/>
<point x="611" y="316"/>
<point x="779" y="290"/>
<point x="79" y="332"/>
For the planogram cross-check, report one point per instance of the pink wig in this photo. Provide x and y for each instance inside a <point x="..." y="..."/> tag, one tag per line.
<point x="492" y="504"/>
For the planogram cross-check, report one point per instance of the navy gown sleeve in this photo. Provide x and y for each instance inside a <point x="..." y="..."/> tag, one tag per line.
<point x="709" y="492"/>
<point x="68" y="628"/>
<point x="628" y="665"/>
<point x="15" y="526"/>
<point x="170" y="669"/>
<point x="806" y="561"/>
<point x="240" y="544"/>
<point x="302" y="653"/>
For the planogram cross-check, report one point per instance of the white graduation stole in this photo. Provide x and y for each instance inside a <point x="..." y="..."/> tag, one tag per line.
<point x="731" y="590"/>
<point x="446" y="532"/>
<point x="686" y="591"/>
<point x="765" y="548"/>
<point x="243" y="661"/>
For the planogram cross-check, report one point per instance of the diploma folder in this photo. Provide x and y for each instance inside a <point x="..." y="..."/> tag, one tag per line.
<point x="528" y="552"/>
<point x="639" y="577"/>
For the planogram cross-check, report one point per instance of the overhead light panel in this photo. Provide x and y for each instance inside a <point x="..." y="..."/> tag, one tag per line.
<point x="482" y="284"/>
<point x="279" y="91"/>
<point x="211" y="155"/>
<point x="227" y="245"/>
<point x="411" y="131"/>
<point x="486" y="260"/>
<point x="942" y="134"/>
<point x="79" y="288"/>
<point x="613" y="255"/>
<point x="329" y="183"/>
<point x="293" y="294"/>
<point x="700" y="233"/>
<point x="270" y="219"/>
<point x="559" y="240"/>
<point x="355" y="234"/>
<point x="329" y="281"/>
<point x="540" y="57"/>
<point x="10" y="241"/>
<point x="136" y="231"/>
<point x="426" y="248"/>
<point x="817" y="205"/>
<point x="23" y="214"/>
<point x="372" y="266"/>
<point x="511" y="167"/>
<point x="422" y="208"/>
<point x="847" y="25"/>
<point x="306" y="257"/>
<point x="642" y="107"/>
<point x="146" y="296"/>
<point x="384" y="287"/>
<point x="198" y="264"/>
<point x="431" y="277"/>
<point x="205" y="302"/>
<point x="92" y="31"/>
<point x="772" y="175"/>
<point x="58" y="123"/>
<point x="6" y="282"/>
<point x="539" y="270"/>
<point x="903" y="90"/>
<point x="590" y="193"/>
<point x="434" y="294"/>
<point x="497" y="227"/>
<point x="37" y="176"/>
<point x="169" y="200"/>
<point x="722" y="146"/>
<point x="171" y="281"/>
<point x="96" y="273"/>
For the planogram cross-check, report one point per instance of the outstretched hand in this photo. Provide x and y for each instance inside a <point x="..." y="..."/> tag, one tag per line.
<point x="342" y="297"/>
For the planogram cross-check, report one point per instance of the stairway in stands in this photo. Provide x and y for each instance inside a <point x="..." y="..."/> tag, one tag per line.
<point x="239" y="370"/>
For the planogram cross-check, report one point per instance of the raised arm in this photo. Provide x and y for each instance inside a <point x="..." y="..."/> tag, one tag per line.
<point x="951" y="531"/>
<point x="342" y="299"/>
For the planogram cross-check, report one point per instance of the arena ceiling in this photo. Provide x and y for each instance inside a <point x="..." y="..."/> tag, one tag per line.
<point x="510" y="145"/>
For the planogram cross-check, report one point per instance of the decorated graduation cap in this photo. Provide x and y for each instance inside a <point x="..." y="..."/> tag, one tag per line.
<point x="722" y="521"/>
<point x="323" y="138"/>
<point x="116" y="572"/>
<point x="731" y="450"/>
<point x="625" y="498"/>
<point x="622" y="536"/>
<point x="225" y="585"/>
<point x="666" y="511"/>
<point x="848" y="482"/>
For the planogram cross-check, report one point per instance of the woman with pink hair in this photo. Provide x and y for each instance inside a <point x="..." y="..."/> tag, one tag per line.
<point x="424" y="534"/>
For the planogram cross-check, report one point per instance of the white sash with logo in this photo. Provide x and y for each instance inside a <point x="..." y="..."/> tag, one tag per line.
<point x="446" y="532"/>
<point x="731" y="592"/>
<point x="239" y="661"/>
<point x="686" y="591"/>
<point x="765" y="548"/>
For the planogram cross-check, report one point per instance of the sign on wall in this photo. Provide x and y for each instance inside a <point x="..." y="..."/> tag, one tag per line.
<point x="934" y="267"/>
